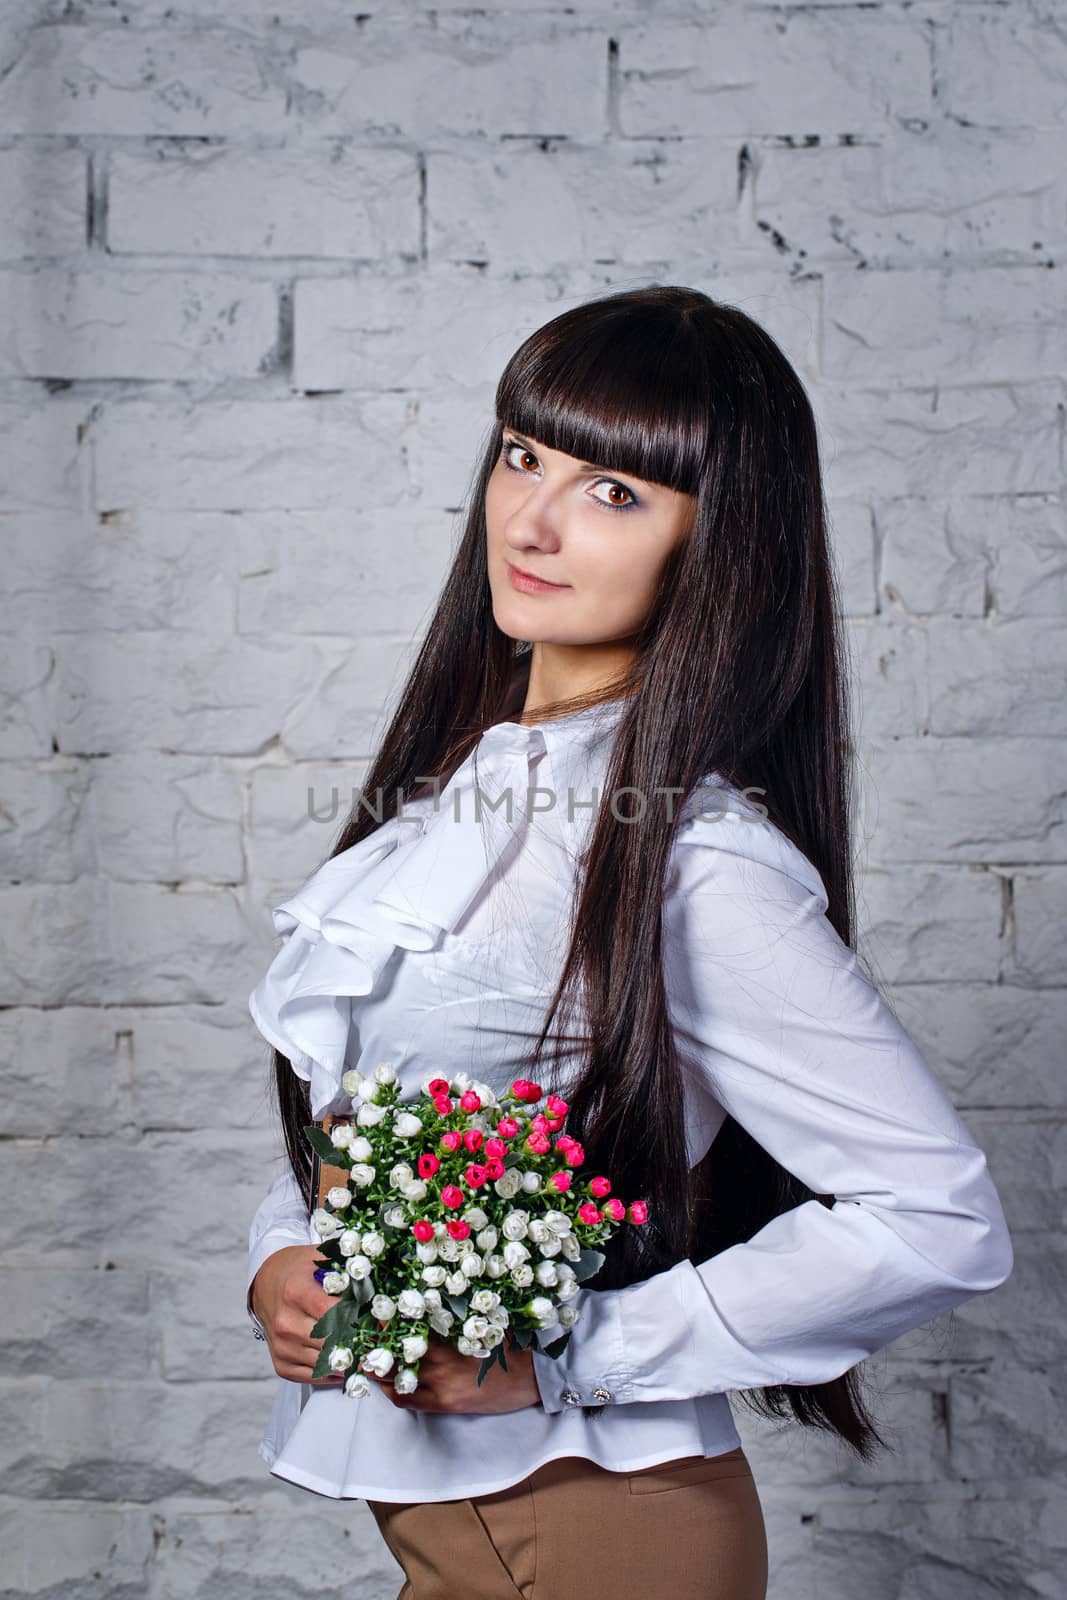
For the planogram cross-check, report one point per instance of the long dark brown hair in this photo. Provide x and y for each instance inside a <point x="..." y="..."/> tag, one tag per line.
<point x="738" y="670"/>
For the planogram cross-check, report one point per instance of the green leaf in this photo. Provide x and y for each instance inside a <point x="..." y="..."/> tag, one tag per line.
<point x="321" y="1143"/>
<point x="523" y="1338"/>
<point x="588" y="1263"/>
<point x="337" y="1322"/>
<point x="557" y="1347"/>
<point x="495" y="1355"/>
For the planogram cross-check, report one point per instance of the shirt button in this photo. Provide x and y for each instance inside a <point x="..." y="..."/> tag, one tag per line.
<point x="571" y="1397"/>
<point x="600" y="1393"/>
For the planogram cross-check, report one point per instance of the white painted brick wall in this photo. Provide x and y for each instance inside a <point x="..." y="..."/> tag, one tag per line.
<point x="259" y="271"/>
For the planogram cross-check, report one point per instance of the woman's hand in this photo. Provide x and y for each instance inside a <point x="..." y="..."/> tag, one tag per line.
<point x="448" y="1381"/>
<point x="288" y="1300"/>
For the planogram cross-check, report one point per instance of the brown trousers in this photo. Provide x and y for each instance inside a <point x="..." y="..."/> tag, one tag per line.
<point x="690" y="1529"/>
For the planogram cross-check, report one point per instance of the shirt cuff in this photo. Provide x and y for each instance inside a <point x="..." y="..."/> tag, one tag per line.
<point x="593" y="1369"/>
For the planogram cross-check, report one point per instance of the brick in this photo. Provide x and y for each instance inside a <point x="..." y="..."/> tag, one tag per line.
<point x="1003" y="324"/>
<point x="473" y="75"/>
<point x="531" y="206"/>
<point x="135" y="325"/>
<point x="1003" y="69"/>
<point x="72" y="79"/>
<point x="334" y="201"/>
<point x="301" y="452"/>
<point x="755" y="73"/>
<point x="43" y="198"/>
<point x="991" y="1045"/>
<point x="992" y="678"/>
<point x="916" y="923"/>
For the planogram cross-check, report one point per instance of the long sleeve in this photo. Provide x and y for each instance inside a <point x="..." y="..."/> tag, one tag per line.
<point x="281" y="1219"/>
<point x="777" y="1023"/>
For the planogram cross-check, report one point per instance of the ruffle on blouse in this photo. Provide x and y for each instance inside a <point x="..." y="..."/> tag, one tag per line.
<point x="723" y="819"/>
<point x="399" y="888"/>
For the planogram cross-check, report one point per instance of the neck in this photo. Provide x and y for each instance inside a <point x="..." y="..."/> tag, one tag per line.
<point x="566" y="672"/>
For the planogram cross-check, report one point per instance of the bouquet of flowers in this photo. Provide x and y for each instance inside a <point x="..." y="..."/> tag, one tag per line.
<point x="462" y="1214"/>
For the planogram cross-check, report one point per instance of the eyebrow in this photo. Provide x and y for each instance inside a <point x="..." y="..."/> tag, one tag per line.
<point x="583" y="466"/>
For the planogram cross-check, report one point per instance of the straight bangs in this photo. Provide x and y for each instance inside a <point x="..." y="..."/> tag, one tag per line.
<point x="621" y="384"/>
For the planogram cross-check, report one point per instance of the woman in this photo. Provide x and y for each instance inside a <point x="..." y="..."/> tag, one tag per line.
<point x="674" y="960"/>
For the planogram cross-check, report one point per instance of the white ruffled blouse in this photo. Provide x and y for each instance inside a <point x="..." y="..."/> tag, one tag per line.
<point x="435" y="943"/>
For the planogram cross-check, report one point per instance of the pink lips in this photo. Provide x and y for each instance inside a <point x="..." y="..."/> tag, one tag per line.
<point x="529" y="584"/>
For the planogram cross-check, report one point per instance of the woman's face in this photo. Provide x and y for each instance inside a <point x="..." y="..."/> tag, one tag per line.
<point x="602" y="538"/>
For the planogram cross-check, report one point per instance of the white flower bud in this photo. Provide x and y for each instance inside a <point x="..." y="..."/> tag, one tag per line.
<point x="515" y="1253"/>
<point x="426" y="1253"/>
<point x="351" y="1242"/>
<point x="559" y="1222"/>
<point x="341" y="1135"/>
<point x="406" y="1381"/>
<point x="432" y="1297"/>
<point x="475" y="1327"/>
<point x="395" y="1216"/>
<point x="487" y="1239"/>
<point x="435" y="1276"/>
<point x="383" y="1307"/>
<point x="531" y="1182"/>
<point x="400" y="1174"/>
<point x="448" y="1249"/>
<point x="551" y="1246"/>
<point x="472" y="1266"/>
<point x="340" y="1358"/>
<point x="356" y="1385"/>
<point x="476" y="1217"/>
<point x="515" y="1224"/>
<point x="407" y="1125"/>
<point x="359" y="1267"/>
<point x="494" y="1335"/>
<point x="542" y="1310"/>
<point x="352" y="1083"/>
<point x="335" y="1282"/>
<point x="362" y="1175"/>
<point x="568" y="1316"/>
<point x="495" y="1266"/>
<point x="522" y="1277"/>
<point x="361" y="1148"/>
<point x="414" y="1190"/>
<point x="325" y="1223"/>
<point x="571" y="1247"/>
<point x="385" y="1072"/>
<point x="441" y="1321"/>
<point x="369" y="1115"/>
<point x="546" y="1274"/>
<point x="456" y="1283"/>
<point x="414" y="1346"/>
<point x="373" y="1244"/>
<point x="484" y="1300"/>
<point x="410" y="1303"/>
<point x="379" y="1361"/>
<point x="567" y="1288"/>
<point x="461" y="1081"/>
<point x="339" y="1197"/>
<point x="509" y="1185"/>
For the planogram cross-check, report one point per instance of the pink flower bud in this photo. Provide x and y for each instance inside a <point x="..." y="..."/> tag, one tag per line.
<point x="565" y="1141"/>
<point x="574" y="1155"/>
<point x="451" y="1196"/>
<point x="470" y="1100"/>
<point x="539" y="1124"/>
<point x="452" y="1139"/>
<point x="524" y="1089"/>
<point x="614" y="1209"/>
<point x="554" y="1124"/>
<point x="638" y="1212"/>
<point x="561" y="1181"/>
<point x="599" y="1186"/>
<point x="437" y="1086"/>
<point x="475" y="1175"/>
<point x="473" y="1139"/>
<point x="422" y="1230"/>
<point x="507" y="1127"/>
<point x="558" y="1107"/>
<point x="494" y="1168"/>
<point x="496" y="1147"/>
<point x="443" y="1104"/>
<point x="538" y="1143"/>
<point x="428" y="1165"/>
<point x="589" y="1213"/>
<point x="457" y="1228"/>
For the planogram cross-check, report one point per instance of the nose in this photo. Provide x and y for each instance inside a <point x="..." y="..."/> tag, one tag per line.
<point x="535" y="523"/>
